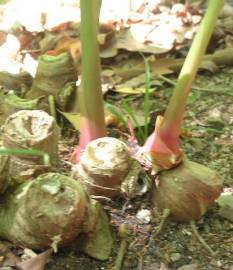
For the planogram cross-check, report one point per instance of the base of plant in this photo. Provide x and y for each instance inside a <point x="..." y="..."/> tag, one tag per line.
<point x="103" y="166"/>
<point x="55" y="76"/>
<point x="188" y="190"/>
<point x="158" y="150"/>
<point x="32" y="129"/>
<point x="44" y="212"/>
<point x="51" y="211"/>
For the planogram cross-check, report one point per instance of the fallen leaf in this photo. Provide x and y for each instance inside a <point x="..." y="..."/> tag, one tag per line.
<point x="69" y="44"/>
<point x="209" y="65"/>
<point x="126" y="40"/>
<point x="48" y="42"/>
<point x="159" y="37"/>
<point x="73" y="118"/>
<point x="7" y="257"/>
<point x="61" y="27"/>
<point x="106" y="34"/>
<point x="36" y="263"/>
<point x="132" y="91"/>
<point x="134" y="67"/>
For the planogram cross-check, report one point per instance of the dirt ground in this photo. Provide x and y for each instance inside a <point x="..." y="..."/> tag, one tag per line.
<point x="156" y="243"/>
<point x="209" y="119"/>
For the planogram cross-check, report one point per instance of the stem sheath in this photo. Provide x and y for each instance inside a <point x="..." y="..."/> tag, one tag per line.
<point x="175" y="110"/>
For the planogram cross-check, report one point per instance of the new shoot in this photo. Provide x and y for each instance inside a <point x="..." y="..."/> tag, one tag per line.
<point x="163" y="144"/>
<point x="189" y="189"/>
<point x="90" y="100"/>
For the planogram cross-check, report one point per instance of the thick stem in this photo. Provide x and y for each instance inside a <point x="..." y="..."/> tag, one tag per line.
<point x="90" y="93"/>
<point x="170" y="127"/>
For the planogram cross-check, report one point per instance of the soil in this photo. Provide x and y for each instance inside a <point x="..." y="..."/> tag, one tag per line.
<point x="207" y="136"/>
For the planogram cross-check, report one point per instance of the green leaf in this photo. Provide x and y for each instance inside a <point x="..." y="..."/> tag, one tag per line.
<point x="73" y="118"/>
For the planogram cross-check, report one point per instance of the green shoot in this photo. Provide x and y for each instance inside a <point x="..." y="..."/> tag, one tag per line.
<point x="131" y="113"/>
<point x="146" y="103"/>
<point x="90" y="100"/>
<point x="163" y="144"/>
<point x="26" y="152"/>
<point x="141" y="134"/>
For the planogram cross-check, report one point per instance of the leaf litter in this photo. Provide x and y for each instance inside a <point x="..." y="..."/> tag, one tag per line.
<point x="162" y="32"/>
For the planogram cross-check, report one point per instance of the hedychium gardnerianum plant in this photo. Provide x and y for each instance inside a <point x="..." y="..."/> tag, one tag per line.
<point x="90" y="99"/>
<point x="163" y="144"/>
<point x="186" y="188"/>
<point x="52" y="210"/>
<point x="106" y="162"/>
<point x="27" y="134"/>
<point x="38" y="209"/>
<point x="107" y="169"/>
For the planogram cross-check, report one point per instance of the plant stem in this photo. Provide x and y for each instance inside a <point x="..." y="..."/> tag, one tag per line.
<point x="31" y="152"/>
<point x="146" y="102"/>
<point x="170" y="128"/>
<point x="90" y="100"/>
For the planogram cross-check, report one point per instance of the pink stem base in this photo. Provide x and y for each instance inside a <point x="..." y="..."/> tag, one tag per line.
<point x="163" y="147"/>
<point x="88" y="132"/>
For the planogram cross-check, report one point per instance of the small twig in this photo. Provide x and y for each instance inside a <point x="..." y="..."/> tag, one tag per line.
<point x="200" y="239"/>
<point x="155" y="233"/>
<point x="123" y="231"/>
<point x="165" y="79"/>
<point x="166" y="213"/>
<point x="101" y="198"/>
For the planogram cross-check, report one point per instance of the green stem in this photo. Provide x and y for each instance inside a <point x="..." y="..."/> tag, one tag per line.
<point x="99" y="3"/>
<point x="90" y="101"/>
<point x="26" y="152"/>
<point x="146" y="102"/>
<point x="175" y="110"/>
<point x="90" y="95"/>
<point x="52" y="107"/>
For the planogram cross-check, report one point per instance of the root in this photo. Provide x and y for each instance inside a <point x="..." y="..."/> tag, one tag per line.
<point x="200" y="239"/>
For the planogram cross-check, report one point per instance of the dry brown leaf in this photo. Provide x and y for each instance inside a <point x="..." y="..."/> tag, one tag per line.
<point x="209" y="65"/>
<point x="61" y="27"/>
<point x="126" y="40"/>
<point x="68" y="44"/>
<point x="105" y="36"/>
<point x="36" y="263"/>
<point x="134" y="67"/>
<point x="7" y="257"/>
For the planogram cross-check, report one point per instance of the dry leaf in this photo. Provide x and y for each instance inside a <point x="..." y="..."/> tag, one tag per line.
<point x="36" y="263"/>
<point x="68" y="44"/>
<point x="7" y="257"/>
<point x="105" y="36"/>
<point x="135" y="67"/>
<point x="126" y="40"/>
